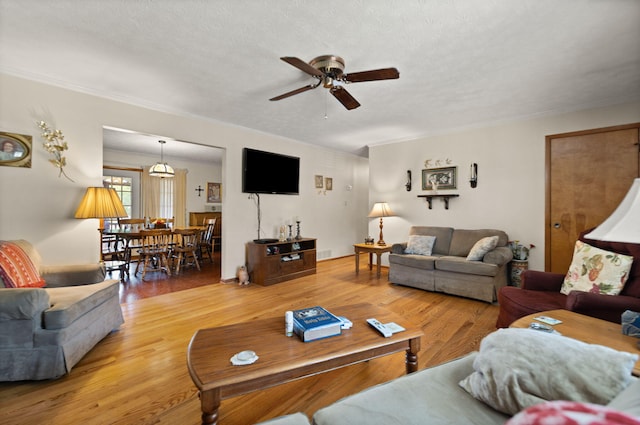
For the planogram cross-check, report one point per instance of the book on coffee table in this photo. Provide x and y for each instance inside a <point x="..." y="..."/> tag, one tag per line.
<point x="315" y="323"/>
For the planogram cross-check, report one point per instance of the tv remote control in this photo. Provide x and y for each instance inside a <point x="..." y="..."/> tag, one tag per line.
<point x="379" y="327"/>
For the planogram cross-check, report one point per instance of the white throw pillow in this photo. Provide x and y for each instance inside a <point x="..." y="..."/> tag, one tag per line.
<point x="596" y="270"/>
<point x="421" y="245"/>
<point x="517" y="368"/>
<point x="481" y="248"/>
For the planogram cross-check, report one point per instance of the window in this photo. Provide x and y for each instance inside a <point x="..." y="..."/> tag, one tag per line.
<point x="122" y="186"/>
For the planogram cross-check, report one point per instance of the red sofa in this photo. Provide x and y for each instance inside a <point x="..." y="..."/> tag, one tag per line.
<point x="541" y="291"/>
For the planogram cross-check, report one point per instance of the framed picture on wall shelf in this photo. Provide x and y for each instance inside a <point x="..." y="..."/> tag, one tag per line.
<point x="15" y="150"/>
<point x="439" y="178"/>
<point x="214" y="193"/>
<point x="319" y="182"/>
<point x="328" y="183"/>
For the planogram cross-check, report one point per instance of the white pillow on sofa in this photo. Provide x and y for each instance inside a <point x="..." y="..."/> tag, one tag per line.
<point x="517" y="368"/>
<point x="595" y="270"/>
<point x="420" y="245"/>
<point x="481" y="248"/>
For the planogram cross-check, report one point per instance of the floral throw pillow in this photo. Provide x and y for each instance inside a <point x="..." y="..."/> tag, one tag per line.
<point x="420" y="245"/>
<point x="596" y="270"/>
<point x="481" y="248"/>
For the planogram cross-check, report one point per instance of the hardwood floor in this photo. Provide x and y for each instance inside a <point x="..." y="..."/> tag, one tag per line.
<point x="158" y="283"/>
<point x="138" y="374"/>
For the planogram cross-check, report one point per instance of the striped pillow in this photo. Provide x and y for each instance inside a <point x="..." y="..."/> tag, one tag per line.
<point x="16" y="268"/>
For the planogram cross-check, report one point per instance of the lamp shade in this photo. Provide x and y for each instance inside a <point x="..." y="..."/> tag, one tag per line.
<point x="100" y="202"/>
<point x="624" y="224"/>
<point x="161" y="169"/>
<point x="381" y="209"/>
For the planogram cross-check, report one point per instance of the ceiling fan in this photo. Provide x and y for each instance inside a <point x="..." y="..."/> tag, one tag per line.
<point x="328" y="70"/>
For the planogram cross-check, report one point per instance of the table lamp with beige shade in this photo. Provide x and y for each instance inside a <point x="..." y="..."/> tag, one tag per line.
<point x="381" y="209"/>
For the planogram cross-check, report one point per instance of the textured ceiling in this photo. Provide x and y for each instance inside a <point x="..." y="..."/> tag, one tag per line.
<point x="462" y="63"/>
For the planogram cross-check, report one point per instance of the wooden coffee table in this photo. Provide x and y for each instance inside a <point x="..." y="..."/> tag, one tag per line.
<point x="587" y="329"/>
<point x="283" y="359"/>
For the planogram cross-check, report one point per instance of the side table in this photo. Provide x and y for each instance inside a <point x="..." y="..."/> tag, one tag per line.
<point x="371" y="249"/>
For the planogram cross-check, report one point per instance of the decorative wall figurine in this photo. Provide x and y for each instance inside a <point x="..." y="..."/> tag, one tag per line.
<point x="55" y="145"/>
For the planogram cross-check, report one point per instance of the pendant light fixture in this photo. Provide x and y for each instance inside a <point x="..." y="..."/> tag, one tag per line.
<point x="161" y="169"/>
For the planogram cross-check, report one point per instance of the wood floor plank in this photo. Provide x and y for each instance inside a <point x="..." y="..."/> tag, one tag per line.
<point x="138" y="374"/>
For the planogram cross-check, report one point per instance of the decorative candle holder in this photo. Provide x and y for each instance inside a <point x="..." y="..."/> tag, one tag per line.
<point x="298" y="230"/>
<point x="290" y="232"/>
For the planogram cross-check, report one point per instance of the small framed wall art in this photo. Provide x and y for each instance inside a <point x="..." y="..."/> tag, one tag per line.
<point x="439" y="178"/>
<point x="328" y="183"/>
<point x="214" y="193"/>
<point x="15" y="150"/>
<point x="319" y="182"/>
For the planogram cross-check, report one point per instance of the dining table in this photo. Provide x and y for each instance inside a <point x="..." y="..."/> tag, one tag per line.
<point x="127" y="236"/>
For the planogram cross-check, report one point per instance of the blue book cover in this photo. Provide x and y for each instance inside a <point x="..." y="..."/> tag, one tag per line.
<point x="315" y="323"/>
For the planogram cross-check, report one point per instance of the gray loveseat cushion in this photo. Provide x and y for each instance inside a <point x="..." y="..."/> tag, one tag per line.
<point x="430" y="396"/>
<point x="463" y="240"/>
<point x="461" y="265"/>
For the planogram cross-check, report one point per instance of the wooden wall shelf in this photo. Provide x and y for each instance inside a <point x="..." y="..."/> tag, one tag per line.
<point x="445" y="198"/>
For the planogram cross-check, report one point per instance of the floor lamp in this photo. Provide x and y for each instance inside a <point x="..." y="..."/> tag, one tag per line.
<point x="100" y="202"/>
<point x="381" y="209"/>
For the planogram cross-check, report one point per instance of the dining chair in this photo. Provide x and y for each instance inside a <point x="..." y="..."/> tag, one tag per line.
<point x="154" y="252"/>
<point x="206" y="239"/>
<point x="186" y="247"/>
<point x="132" y="244"/>
<point x="112" y="255"/>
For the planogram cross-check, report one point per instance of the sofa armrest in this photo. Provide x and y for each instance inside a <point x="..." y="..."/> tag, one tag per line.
<point x="605" y="307"/>
<point x="542" y="281"/>
<point x="398" y="248"/>
<point x="498" y="256"/>
<point x="22" y="303"/>
<point x="73" y="275"/>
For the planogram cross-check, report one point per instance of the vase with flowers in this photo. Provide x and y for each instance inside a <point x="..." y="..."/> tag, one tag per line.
<point x="520" y="261"/>
<point x="520" y="251"/>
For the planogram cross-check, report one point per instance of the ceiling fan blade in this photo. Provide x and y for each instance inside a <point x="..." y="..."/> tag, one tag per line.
<point x="373" y="75"/>
<point x="296" y="91"/>
<point x="344" y="97"/>
<point x="302" y="66"/>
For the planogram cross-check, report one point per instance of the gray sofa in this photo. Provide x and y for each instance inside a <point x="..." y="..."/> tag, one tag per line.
<point x="44" y="332"/>
<point x="447" y="269"/>
<point x="435" y="396"/>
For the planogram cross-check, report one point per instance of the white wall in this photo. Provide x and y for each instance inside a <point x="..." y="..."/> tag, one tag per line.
<point x="199" y="173"/>
<point x="38" y="206"/>
<point x="511" y="176"/>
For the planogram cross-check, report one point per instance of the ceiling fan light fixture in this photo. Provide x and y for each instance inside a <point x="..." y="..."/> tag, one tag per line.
<point x="329" y="71"/>
<point x="161" y="169"/>
<point x="327" y="82"/>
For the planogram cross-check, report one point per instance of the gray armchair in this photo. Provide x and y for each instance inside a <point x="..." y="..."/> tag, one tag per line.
<point x="44" y="332"/>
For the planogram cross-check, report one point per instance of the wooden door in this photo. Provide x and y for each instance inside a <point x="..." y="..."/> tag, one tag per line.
<point x="588" y="174"/>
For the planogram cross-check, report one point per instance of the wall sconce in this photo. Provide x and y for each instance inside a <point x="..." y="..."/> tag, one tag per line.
<point x="473" y="175"/>
<point x="408" y="183"/>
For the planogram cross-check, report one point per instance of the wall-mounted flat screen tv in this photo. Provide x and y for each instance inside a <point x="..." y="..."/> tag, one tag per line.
<point x="268" y="172"/>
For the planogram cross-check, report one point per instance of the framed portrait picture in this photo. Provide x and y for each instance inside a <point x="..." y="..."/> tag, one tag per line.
<point x="328" y="183"/>
<point x="319" y="182"/>
<point x="214" y="193"/>
<point x="15" y="150"/>
<point x="439" y="178"/>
